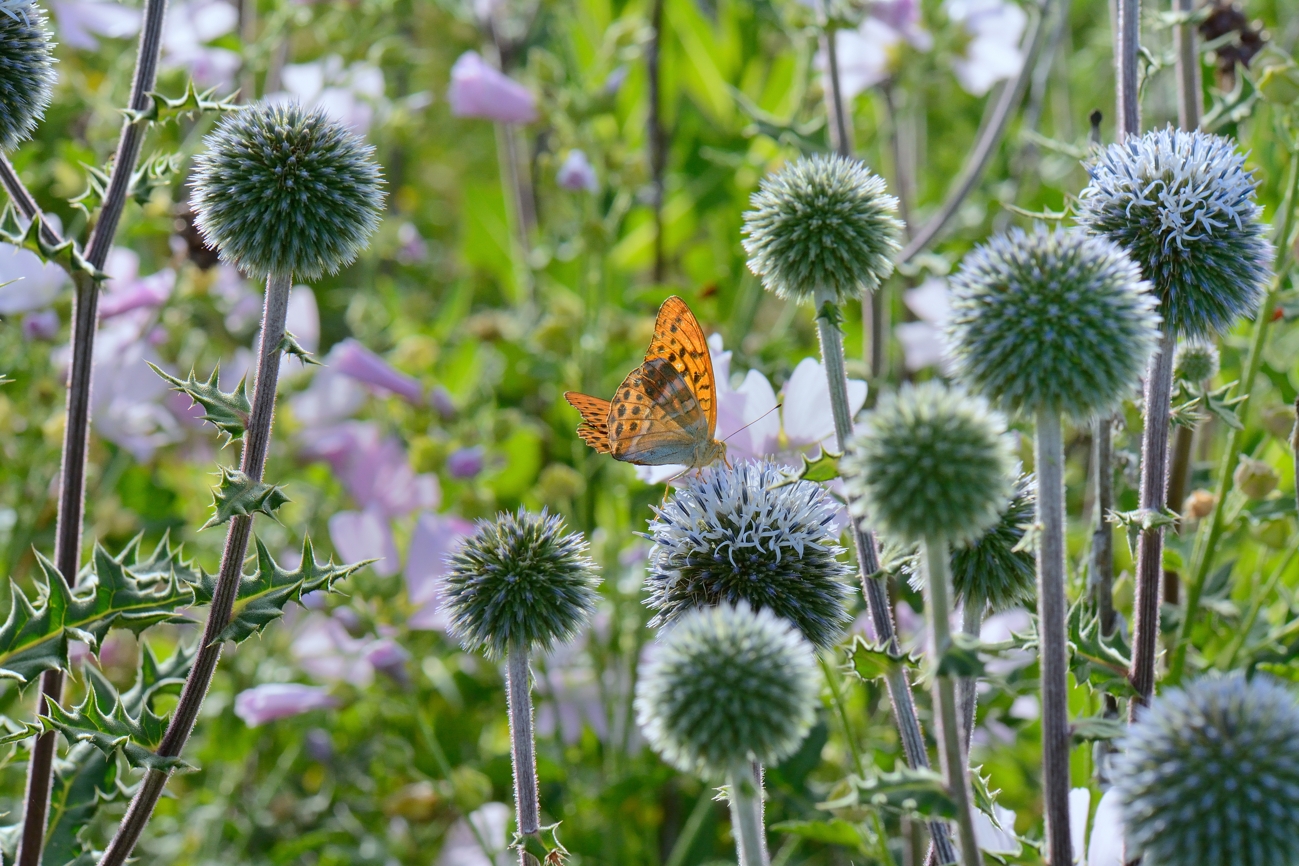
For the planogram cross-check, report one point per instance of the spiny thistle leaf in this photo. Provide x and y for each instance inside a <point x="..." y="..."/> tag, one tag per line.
<point x="903" y="791"/>
<point x="34" y="636"/>
<point x="290" y="346"/>
<point x="228" y="411"/>
<point x="65" y="255"/>
<point x="1092" y="728"/>
<point x="264" y="594"/>
<point x="114" y="732"/>
<point x="823" y="467"/>
<point x="1102" y="661"/>
<point x="241" y="496"/>
<point x="190" y="103"/>
<point x="871" y="661"/>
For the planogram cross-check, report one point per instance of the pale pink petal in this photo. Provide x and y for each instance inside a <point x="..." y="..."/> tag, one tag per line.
<point x="931" y="301"/>
<point x="808" y="416"/>
<point x="577" y="173"/>
<point x="1106" y="845"/>
<point x="27" y="283"/>
<point x="271" y="701"/>
<point x="998" y="838"/>
<point x="324" y="650"/>
<point x="355" y="360"/>
<point x="359" y="535"/>
<point x="1079" y="801"/>
<point x="462" y="845"/>
<point x="480" y="90"/>
<point x="762" y="435"/>
<point x="922" y="344"/>
<point x="435" y="537"/>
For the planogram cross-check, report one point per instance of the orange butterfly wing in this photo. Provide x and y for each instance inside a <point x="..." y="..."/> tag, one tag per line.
<point x="654" y="418"/>
<point x="680" y="340"/>
<point x="594" y="428"/>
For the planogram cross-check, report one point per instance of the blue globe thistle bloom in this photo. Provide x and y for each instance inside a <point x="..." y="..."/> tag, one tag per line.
<point x="1182" y="205"/>
<point x="26" y="71"/>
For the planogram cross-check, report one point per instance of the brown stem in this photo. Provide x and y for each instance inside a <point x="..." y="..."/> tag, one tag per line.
<point x="1127" y="41"/>
<point x="1179" y="476"/>
<point x="24" y="201"/>
<point x="1102" y="562"/>
<point x="1187" y="69"/>
<point x="256" y="443"/>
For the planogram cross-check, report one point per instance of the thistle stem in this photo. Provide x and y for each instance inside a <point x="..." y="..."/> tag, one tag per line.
<point x="952" y="756"/>
<point x="1150" y="547"/>
<point x="1102" y="560"/>
<point x="967" y="689"/>
<point x="1127" y="42"/>
<point x="1051" y="604"/>
<point x="256" y="443"/>
<point x="1206" y="542"/>
<point x="76" y="428"/>
<point x="1187" y="68"/>
<point x="1179" y="473"/>
<point x="523" y="747"/>
<point x="873" y="588"/>
<point x="657" y="140"/>
<point x="746" y="816"/>
<point x="24" y="201"/>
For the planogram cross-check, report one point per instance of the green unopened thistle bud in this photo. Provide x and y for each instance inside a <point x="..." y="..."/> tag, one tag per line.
<point x="733" y="536"/>
<point x="726" y="686"/>
<point x="26" y="71"/>
<point x="1051" y="321"/>
<point x="280" y="189"/>
<point x="1195" y="362"/>
<point x="929" y="462"/>
<point x="1182" y="205"/>
<point x="520" y="580"/>
<point x="822" y="223"/>
<point x="1209" y="776"/>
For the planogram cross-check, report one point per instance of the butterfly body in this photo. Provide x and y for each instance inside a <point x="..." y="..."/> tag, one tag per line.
<point x="665" y="411"/>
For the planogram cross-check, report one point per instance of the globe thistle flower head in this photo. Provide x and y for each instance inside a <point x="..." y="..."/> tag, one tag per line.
<point x="929" y="462"/>
<point x="822" y="222"/>
<point x="1195" y="362"/>
<point x="725" y="686"/>
<point x="1209" y="776"/>
<point x="731" y="536"/>
<point x="26" y="71"/>
<point x="990" y="571"/>
<point x="1182" y="204"/>
<point x="1055" y="321"/>
<point x="519" y="580"/>
<point x="280" y="189"/>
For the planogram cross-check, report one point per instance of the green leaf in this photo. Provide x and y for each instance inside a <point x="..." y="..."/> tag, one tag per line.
<point x="189" y="103"/>
<point x="65" y="255"/>
<point x="227" y="411"/>
<point x="903" y="791"/>
<point x="1101" y="661"/>
<point x="1092" y="728"/>
<point x="823" y="467"/>
<point x="110" y="594"/>
<point x="1142" y="520"/>
<point x="872" y="661"/>
<point x="264" y="594"/>
<point x="114" y="732"/>
<point x="836" y="831"/>
<point x="961" y="659"/>
<point x="290" y="346"/>
<point x="241" y="496"/>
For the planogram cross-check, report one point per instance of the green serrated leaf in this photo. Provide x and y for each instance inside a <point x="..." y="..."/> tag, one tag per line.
<point x="1096" y="659"/>
<point x="290" y="346"/>
<point x="836" y="831"/>
<point x="228" y="411"/>
<point x="904" y="791"/>
<point x="830" y="312"/>
<point x="241" y="496"/>
<point x="1141" y="520"/>
<point x="961" y="659"/>
<point x="1093" y="728"/>
<point x="156" y="172"/>
<point x="264" y="594"/>
<point x="66" y="254"/>
<point x="191" y="102"/>
<point x="871" y="661"/>
<point x="113" y="732"/>
<point x="34" y="636"/>
<point x="545" y="847"/>
<point x="823" y="467"/>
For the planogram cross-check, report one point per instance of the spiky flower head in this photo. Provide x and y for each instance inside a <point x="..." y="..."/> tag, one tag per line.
<point x="822" y="222"/>
<point x="519" y="580"/>
<point x="725" y="686"/>
<point x="733" y="536"/>
<point x="282" y="189"/>
<point x="990" y="571"/>
<point x="1182" y="204"/>
<point x="1209" y="776"/>
<point x="929" y="462"/>
<point x="1055" y="321"/>
<point x="26" y="71"/>
<point x="1196" y="361"/>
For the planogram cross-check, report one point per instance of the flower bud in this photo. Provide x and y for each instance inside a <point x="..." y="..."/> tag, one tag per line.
<point x="1255" y="478"/>
<point x="1199" y="505"/>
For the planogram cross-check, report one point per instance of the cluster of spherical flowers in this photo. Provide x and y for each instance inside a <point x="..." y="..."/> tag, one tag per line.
<point x="26" y="71"/>
<point x="740" y="535"/>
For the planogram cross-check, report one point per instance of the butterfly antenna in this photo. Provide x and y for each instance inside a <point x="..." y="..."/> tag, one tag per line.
<point x="755" y="420"/>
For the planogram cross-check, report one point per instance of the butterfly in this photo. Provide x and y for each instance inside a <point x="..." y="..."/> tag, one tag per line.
<point x="665" y="411"/>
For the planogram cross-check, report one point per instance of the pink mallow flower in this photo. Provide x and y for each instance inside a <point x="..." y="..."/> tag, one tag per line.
<point x="993" y="53"/>
<point x="478" y="89"/>
<point x="870" y="53"/>
<point x="327" y="652"/>
<point x="577" y="173"/>
<point x="191" y="25"/>
<point x="434" y="538"/>
<point x="271" y="701"/>
<point x="27" y="283"/>
<point x="351" y="94"/>
<point x="80" y="21"/>
<point x="355" y="360"/>
<point x="42" y="325"/>
<point x="130" y="400"/>
<point x="127" y="290"/>
<point x="360" y="535"/>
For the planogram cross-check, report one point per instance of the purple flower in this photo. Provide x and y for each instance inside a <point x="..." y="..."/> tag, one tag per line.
<point x="127" y="290"/>
<point x="42" y="325"/>
<point x="330" y="398"/>
<point x="325" y="649"/>
<point x="190" y="26"/>
<point x="616" y="79"/>
<point x="413" y="247"/>
<point x="359" y="535"/>
<point x="350" y="94"/>
<point x="27" y="283"/>
<point x="435" y="536"/>
<point x="388" y="658"/>
<point x="577" y="173"/>
<point x="79" y="21"/>
<point x="570" y="697"/>
<point x="993" y="53"/>
<point x="271" y="701"/>
<point x="480" y="90"/>
<point x="360" y="363"/>
<point x="129" y="399"/>
<point x="465" y="463"/>
<point x="870" y="53"/>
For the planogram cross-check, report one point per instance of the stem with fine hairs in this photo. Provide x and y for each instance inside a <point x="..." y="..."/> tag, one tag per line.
<point x="746" y="816"/>
<point x="657" y="140"/>
<point x="24" y="201"/>
<point x="257" y="440"/>
<point x="873" y="588"/>
<point x="76" y="430"/>
<point x="523" y="752"/>
<point x="967" y="690"/>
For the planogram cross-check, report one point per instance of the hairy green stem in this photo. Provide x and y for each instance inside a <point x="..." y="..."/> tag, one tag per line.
<point x="1187" y="68"/>
<point x="1053" y="653"/>
<point x="76" y="428"/>
<point x="967" y="690"/>
<point x="24" y="201"/>
<point x="523" y="750"/>
<point x="257" y="439"/>
<point x="1210" y="532"/>
<point x="951" y="752"/>
<point x="746" y="816"/>
<point x="657" y="140"/>
<point x="1102" y="557"/>
<point x="873" y="588"/>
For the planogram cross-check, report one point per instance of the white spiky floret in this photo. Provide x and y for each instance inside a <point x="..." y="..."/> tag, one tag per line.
<point x="745" y="534"/>
<point x="16" y="10"/>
